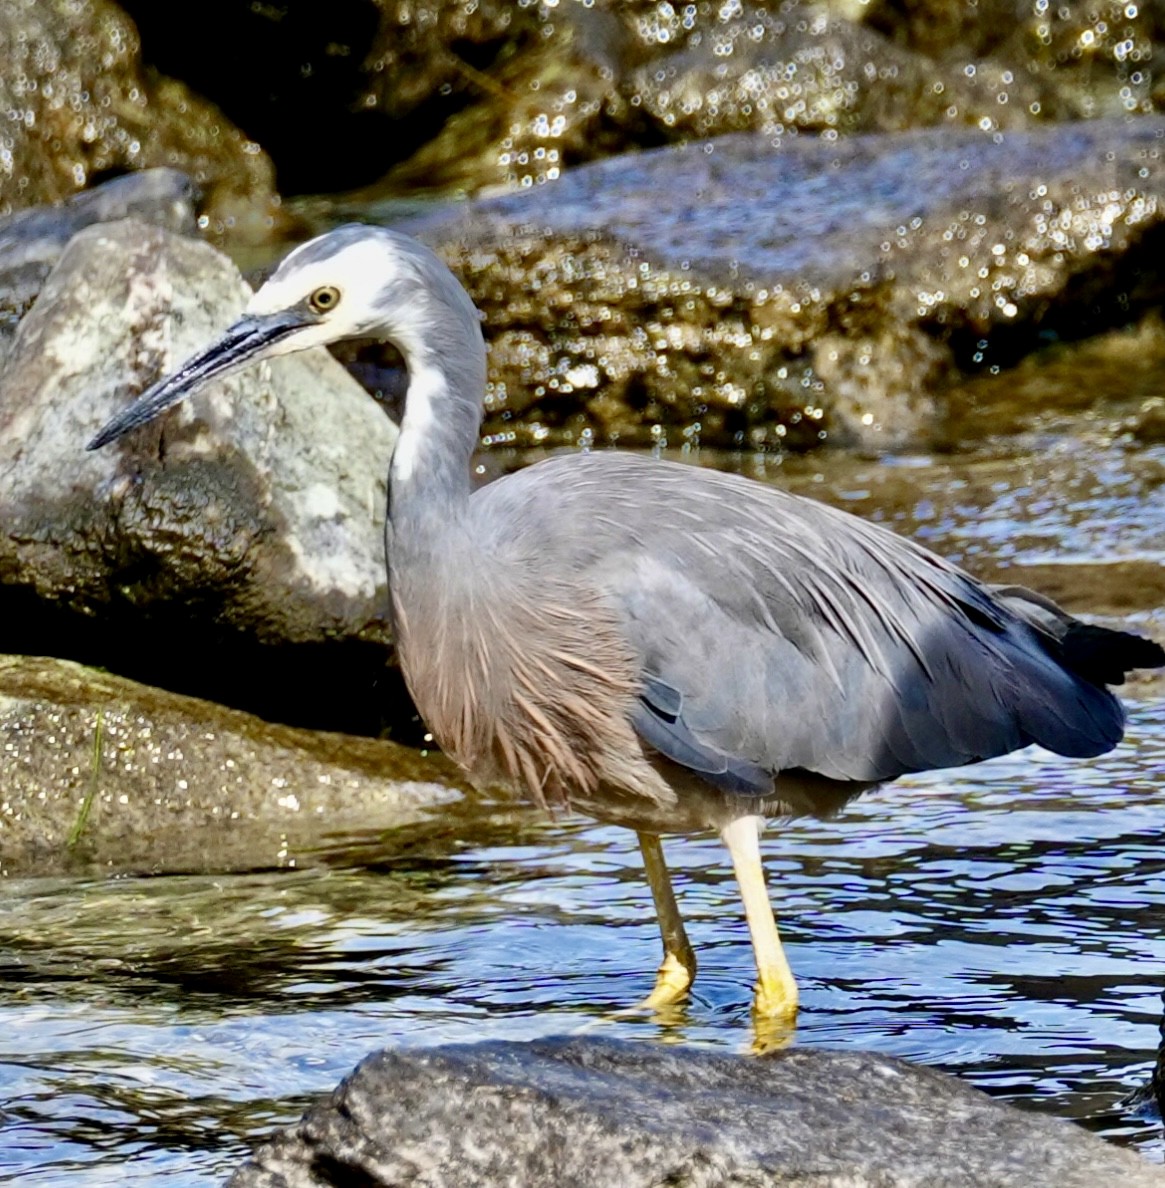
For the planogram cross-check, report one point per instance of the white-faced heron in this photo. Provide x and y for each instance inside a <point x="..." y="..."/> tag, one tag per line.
<point x="662" y="646"/>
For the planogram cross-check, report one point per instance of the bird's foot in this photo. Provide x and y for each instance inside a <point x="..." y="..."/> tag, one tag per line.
<point x="774" y="1011"/>
<point x="672" y="982"/>
<point x="776" y="994"/>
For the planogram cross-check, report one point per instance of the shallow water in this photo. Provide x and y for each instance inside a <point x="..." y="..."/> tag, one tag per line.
<point x="1006" y="922"/>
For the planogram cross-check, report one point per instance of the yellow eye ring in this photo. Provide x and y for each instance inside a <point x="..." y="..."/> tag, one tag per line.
<point x="324" y="299"/>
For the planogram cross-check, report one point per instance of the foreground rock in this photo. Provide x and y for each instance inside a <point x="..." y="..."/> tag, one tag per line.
<point x="99" y="771"/>
<point x="600" y="1114"/>
<point x="79" y="104"/>
<point x="744" y="295"/>
<point x="31" y="242"/>
<point x="249" y="519"/>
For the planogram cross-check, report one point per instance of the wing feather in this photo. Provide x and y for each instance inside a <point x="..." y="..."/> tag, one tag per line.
<point x="791" y="635"/>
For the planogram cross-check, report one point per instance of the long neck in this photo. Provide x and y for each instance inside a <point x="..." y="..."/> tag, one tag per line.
<point x="429" y="476"/>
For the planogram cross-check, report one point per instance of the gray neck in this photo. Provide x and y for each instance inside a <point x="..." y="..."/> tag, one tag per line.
<point x="443" y="406"/>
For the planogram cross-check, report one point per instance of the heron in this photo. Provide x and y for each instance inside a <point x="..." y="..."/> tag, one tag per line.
<point x="665" y="647"/>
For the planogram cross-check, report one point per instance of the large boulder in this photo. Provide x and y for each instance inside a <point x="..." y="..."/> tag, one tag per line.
<point x="252" y="517"/>
<point x="586" y="1113"/>
<point x="739" y="294"/>
<point x="100" y="772"/>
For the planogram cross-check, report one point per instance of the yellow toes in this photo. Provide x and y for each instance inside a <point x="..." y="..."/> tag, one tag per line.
<point x="776" y="994"/>
<point x="671" y="983"/>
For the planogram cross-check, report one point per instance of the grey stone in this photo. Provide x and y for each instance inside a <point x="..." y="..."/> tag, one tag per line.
<point x="587" y="1113"/>
<point x="740" y="294"/>
<point x="31" y="241"/>
<point x="97" y="771"/>
<point x="256" y="510"/>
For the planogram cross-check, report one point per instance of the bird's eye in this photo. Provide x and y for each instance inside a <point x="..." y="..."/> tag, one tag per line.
<point x="324" y="299"/>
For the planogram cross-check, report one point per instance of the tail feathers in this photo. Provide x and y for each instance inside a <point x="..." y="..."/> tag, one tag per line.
<point x="1106" y="657"/>
<point x="1098" y="654"/>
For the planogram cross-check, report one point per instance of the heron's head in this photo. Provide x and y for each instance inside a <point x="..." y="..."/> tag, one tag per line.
<point x="353" y="282"/>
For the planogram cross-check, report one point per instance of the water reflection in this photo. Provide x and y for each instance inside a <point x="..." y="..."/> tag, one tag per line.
<point x="1004" y="921"/>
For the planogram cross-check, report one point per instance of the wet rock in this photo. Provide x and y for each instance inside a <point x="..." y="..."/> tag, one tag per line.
<point x="747" y="295"/>
<point x="1087" y="59"/>
<point x="250" y="518"/>
<point x="517" y="94"/>
<point x="99" y="771"/>
<point x="598" y="1113"/>
<point x="785" y="69"/>
<point x="32" y="241"/>
<point x="79" y="105"/>
<point x="1148" y="425"/>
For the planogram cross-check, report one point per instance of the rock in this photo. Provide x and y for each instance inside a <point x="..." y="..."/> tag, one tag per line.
<point x="79" y="105"/>
<point x="743" y="295"/>
<point x="1087" y="59"/>
<point x="517" y="95"/>
<point x="219" y="550"/>
<point x="787" y="69"/>
<point x="31" y="241"/>
<point x="552" y="96"/>
<point x="587" y="1113"/>
<point x="176" y="784"/>
<point x="1148" y="425"/>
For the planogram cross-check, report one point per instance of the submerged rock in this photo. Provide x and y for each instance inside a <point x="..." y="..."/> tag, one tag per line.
<point x="746" y="295"/>
<point x="79" y="105"/>
<point x="601" y="1114"/>
<point x="250" y="518"/>
<point x="31" y="241"/>
<point x="99" y="771"/>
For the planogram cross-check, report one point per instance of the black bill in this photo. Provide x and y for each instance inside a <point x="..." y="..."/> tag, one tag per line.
<point x="249" y="337"/>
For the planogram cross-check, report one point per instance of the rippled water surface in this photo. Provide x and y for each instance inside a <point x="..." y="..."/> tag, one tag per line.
<point x="1005" y="922"/>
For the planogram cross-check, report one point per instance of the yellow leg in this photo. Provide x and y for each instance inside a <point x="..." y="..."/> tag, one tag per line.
<point x="678" y="970"/>
<point x="776" y="990"/>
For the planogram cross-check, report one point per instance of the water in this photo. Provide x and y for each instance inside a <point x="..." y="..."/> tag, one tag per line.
<point x="1005" y="922"/>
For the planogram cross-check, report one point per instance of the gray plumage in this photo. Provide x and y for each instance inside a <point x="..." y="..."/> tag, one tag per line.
<point x="666" y="646"/>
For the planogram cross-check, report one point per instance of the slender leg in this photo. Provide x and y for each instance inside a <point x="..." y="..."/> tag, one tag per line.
<point x="678" y="970"/>
<point x="776" y="990"/>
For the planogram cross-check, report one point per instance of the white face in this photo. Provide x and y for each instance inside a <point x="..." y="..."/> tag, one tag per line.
<point x="343" y="290"/>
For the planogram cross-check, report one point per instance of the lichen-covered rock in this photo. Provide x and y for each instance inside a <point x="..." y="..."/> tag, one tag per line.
<point x="32" y="240"/>
<point x="586" y="1113"/>
<point x="99" y="771"/>
<point x="78" y="104"/>
<point x="252" y="514"/>
<point x="741" y="294"/>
